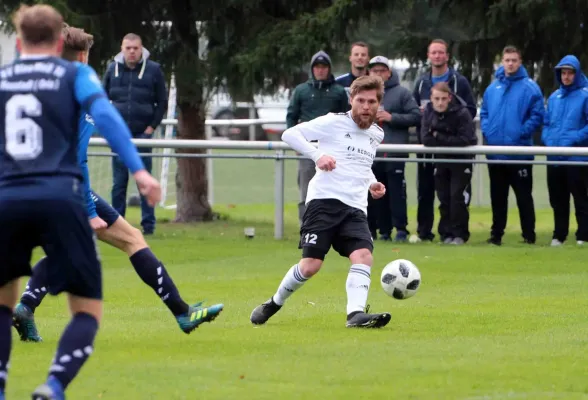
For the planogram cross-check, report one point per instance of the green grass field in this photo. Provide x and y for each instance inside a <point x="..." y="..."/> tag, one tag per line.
<point x="487" y="323"/>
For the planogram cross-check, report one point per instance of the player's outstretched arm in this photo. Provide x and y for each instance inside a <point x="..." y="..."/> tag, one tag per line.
<point x="298" y="136"/>
<point x="91" y="97"/>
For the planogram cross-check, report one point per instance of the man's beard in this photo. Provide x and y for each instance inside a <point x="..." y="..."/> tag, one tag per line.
<point x="361" y="123"/>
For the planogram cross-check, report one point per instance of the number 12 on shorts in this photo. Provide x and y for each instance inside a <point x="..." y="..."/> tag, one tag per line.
<point x="310" y="238"/>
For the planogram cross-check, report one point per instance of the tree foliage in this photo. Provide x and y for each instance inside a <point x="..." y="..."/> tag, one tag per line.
<point x="478" y="30"/>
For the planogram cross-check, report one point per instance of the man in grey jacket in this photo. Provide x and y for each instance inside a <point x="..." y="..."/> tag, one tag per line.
<point x="398" y="112"/>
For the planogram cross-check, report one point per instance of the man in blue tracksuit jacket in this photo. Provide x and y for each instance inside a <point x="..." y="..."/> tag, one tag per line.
<point x="566" y="125"/>
<point x="512" y="111"/>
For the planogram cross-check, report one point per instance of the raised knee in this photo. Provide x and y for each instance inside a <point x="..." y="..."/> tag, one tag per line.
<point x="362" y="256"/>
<point x="310" y="266"/>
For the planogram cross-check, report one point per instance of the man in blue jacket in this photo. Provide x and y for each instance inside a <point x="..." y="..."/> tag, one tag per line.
<point x="566" y="125"/>
<point x="512" y="111"/>
<point x="438" y="55"/>
<point x="136" y="87"/>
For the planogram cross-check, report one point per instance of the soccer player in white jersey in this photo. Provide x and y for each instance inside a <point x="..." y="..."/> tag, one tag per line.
<point x="337" y="201"/>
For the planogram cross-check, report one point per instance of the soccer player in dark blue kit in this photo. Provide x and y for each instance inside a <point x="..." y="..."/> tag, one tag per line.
<point x="41" y="202"/>
<point x="111" y="228"/>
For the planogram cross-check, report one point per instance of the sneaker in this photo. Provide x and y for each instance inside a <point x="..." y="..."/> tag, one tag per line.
<point x="23" y="320"/>
<point x="448" y="240"/>
<point x="556" y="243"/>
<point x="528" y="241"/>
<point x="196" y="315"/>
<point x="458" y="241"/>
<point x="385" y="238"/>
<point x="401" y="236"/>
<point x="495" y="241"/>
<point x="263" y="312"/>
<point x="580" y="242"/>
<point x="414" y="239"/>
<point x="364" y="320"/>
<point x="51" y="390"/>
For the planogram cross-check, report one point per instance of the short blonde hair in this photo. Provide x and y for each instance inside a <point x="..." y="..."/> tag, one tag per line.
<point x="38" y="25"/>
<point x="75" y="40"/>
<point x="365" y="83"/>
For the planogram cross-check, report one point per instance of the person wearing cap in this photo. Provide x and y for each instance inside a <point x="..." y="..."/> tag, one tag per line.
<point x="314" y="98"/>
<point x="512" y="111"/>
<point x="438" y="56"/>
<point x="399" y="111"/>
<point x="566" y="125"/>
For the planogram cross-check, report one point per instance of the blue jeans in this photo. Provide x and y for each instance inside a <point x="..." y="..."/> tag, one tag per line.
<point x="120" y="178"/>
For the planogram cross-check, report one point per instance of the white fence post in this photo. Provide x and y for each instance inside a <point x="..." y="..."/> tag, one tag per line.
<point x="279" y="186"/>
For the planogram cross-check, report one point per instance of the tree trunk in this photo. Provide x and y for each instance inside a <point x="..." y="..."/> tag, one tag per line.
<point x="191" y="179"/>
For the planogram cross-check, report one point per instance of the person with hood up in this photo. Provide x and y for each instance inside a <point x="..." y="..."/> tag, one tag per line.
<point x="566" y="125"/>
<point x="448" y="122"/>
<point x="398" y="112"/>
<point x="135" y="85"/>
<point x="314" y="98"/>
<point x="512" y="111"/>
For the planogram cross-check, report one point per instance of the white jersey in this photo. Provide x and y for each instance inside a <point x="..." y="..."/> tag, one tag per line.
<point x="353" y="149"/>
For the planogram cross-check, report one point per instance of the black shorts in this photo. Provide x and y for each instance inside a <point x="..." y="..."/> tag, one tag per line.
<point x="329" y="222"/>
<point x="104" y="210"/>
<point x="56" y="220"/>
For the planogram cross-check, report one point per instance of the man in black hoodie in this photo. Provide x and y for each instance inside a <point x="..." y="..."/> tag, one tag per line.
<point x="447" y="122"/>
<point x="318" y="96"/>
<point x="398" y="112"/>
<point x="440" y="71"/>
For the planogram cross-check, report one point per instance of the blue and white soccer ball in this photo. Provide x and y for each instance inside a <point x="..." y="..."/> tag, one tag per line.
<point x="400" y="279"/>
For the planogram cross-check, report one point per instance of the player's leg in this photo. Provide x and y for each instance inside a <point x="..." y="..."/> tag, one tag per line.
<point x="73" y="267"/>
<point x="17" y="240"/>
<point x="24" y="314"/>
<point x="8" y="297"/>
<point x="353" y="241"/>
<point x="150" y="269"/>
<point x="318" y="225"/>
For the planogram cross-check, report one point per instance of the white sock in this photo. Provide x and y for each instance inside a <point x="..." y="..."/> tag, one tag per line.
<point x="291" y="282"/>
<point x="358" y="287"/>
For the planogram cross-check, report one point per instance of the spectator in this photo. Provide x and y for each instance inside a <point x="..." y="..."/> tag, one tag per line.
<point x="512" y="111"/>
<point x="398" y="112"/>
<point x="438" y="55"/>
<point x="136" y="87"/>
<point x="318" y="96"/>
<point x="566" y="125"/>
<point x="448" y="122"/>
<point x="358" y="59"/>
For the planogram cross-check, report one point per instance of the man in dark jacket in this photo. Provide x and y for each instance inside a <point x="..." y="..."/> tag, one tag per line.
<point x="398" y="112"/>
<point x="318" y="96"/>
<point x="136" y="87"/>
<point x="512" y="111"/>
<point x="566" y="125"/>
<point x="447" y="122"/>
<point x="440" y="71"/>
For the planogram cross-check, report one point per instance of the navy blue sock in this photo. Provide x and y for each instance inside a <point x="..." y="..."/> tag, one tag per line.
<point x="75" y="346"/>
<point x="153" y="273"/>
<point x="36" y="289"/>
<point x="5" y="344"/>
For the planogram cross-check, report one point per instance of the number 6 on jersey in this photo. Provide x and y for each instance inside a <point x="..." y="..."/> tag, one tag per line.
<point x="24" y="138"/>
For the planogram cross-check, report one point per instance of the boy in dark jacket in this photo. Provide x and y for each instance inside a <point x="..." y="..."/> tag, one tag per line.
<point x="447" y="122"/>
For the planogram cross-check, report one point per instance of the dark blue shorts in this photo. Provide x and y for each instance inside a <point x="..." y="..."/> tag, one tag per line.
<point x="104" y="210"/>
<point x="49" y="213"/>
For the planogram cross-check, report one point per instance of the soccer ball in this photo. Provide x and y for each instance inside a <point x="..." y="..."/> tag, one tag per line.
<point x="400" y="279"/>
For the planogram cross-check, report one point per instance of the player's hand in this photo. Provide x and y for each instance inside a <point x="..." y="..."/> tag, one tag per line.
<point x="377" y="190"/>
<point x="98" y="224"/>
<point x="148" y="186"/>
<point x="326" y="163"/>
<point x="149" y="131"/>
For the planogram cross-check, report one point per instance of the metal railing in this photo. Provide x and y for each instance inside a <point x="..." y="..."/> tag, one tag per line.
<point x="280" y="148"/>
